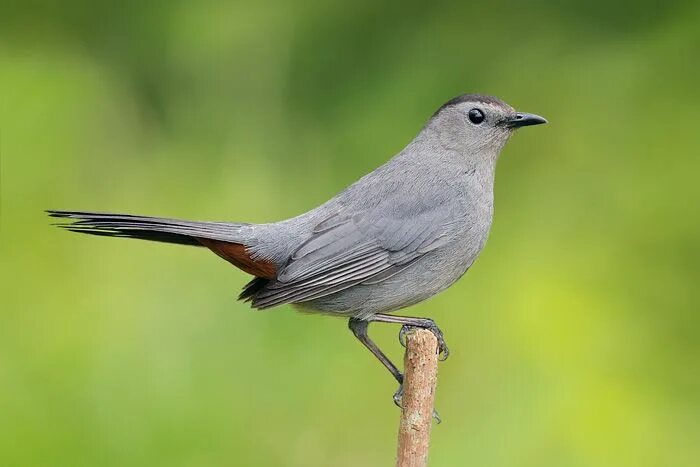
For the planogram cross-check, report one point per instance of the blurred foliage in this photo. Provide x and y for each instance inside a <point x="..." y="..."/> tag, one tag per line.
<point x="575" y="338"/>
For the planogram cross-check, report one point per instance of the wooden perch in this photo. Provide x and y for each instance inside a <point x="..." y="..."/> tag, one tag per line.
<point x="420" y="379"/>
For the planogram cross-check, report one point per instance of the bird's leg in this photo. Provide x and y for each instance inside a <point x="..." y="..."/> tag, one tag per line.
<point x="407" y="322"/>
<point x="359" y="329"/>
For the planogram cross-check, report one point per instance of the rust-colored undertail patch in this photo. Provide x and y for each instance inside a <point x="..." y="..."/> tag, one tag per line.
<point x="236" y="254"/>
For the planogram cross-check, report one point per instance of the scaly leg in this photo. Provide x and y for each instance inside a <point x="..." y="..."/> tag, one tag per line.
<point x="359" y="329"/>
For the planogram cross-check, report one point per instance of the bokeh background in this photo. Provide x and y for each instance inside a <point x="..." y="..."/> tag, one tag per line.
<point x="574" y="338"/>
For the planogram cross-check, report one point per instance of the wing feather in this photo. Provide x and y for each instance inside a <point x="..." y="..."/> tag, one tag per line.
<point x="343" y="252"/>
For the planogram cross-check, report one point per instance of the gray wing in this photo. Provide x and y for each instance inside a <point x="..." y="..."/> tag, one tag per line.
<point x="344" y="251"/>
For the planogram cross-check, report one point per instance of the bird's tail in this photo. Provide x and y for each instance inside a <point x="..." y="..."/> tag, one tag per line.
<point x="227" y="240"/>
<point x="157" y="229"/>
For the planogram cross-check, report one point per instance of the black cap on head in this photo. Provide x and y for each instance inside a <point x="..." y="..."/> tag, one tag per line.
<point x="480" y="98"/>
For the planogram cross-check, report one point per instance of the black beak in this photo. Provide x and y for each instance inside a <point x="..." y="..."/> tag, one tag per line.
<point x="523" y="119"/>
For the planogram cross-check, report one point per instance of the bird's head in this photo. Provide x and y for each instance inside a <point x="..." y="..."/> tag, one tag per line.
<point x="473" y="122"/>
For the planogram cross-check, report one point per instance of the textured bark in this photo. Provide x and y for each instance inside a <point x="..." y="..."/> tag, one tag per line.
<point x="420" y="379"/>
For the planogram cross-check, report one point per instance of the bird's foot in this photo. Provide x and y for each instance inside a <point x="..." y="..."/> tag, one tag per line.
<point x="430" y="325"/>
<point x="398" y="396"/>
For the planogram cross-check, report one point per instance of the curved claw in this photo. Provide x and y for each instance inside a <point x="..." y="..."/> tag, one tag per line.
<point x="443" y="350"/>
<point x="402" y="335"/>
<point x="398" y="396"/>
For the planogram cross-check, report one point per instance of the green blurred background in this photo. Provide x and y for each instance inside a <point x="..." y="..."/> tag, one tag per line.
<point x="575" y="338"/>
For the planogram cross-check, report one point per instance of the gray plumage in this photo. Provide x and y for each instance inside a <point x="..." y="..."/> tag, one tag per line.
<point x="399" y="235"/>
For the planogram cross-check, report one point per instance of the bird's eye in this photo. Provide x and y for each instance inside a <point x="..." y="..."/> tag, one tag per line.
<point x="476" y="116"/>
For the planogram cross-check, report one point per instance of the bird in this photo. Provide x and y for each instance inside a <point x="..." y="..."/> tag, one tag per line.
<point x="398" y="236"/>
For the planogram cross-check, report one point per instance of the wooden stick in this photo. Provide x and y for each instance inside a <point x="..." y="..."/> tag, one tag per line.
<point x="420" y="379"/>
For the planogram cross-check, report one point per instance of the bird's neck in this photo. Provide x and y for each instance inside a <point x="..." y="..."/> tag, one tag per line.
<point x="428" y="150"/>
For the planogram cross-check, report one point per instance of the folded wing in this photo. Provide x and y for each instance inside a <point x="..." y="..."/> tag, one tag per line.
<point x="344" y="251"/>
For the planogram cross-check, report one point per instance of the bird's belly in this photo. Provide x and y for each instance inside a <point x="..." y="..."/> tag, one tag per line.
<point x="427" y="276"/>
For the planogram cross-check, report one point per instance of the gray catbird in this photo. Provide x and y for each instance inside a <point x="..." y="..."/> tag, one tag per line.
<point x="398" y="236"/>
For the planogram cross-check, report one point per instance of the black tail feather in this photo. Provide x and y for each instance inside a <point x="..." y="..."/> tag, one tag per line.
<point x="252" y="288"/>
<point x="163" y="237"/>
<point x="156" y="229"/>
